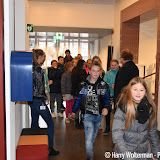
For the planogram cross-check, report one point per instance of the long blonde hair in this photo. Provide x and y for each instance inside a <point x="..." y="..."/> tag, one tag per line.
<point x="128" y="104"/>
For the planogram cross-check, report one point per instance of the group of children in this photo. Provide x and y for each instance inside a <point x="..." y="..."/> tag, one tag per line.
<point x="134" y="123"/>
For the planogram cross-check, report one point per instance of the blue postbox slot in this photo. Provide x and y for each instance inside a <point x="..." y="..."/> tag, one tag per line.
<point x="21" y="76"/>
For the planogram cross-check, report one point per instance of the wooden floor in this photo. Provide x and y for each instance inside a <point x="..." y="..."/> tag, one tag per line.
<point x="71" y="142"/>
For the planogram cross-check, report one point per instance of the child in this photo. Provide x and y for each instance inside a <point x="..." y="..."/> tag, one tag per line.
<point x="88" y="64"/>
<point x="66" y="86"/>
<point x="78" y="75"/>
<point x="54" y="76"/>
<point x="97" y="59"/>
<point x="39" y="98"/>
<point x="95" y="99"/>
<point x="61" y="67"/>
<point x="74" y="62"/>
<point x="134" y="126"/>
<point x="61" y="64"/>
<point x="109" y="78"/>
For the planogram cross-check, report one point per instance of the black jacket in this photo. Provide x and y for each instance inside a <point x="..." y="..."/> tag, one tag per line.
<point x="123" y="77"/>
<point x="61" y="67"/>
<point x="68" y="59"/>
<point x="88" y="95"/>
<point x="55" y="74"/>
<point x="77" y="77"/>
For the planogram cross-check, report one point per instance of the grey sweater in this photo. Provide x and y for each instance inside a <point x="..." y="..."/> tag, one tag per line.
<point x="66" y="84"/>
<point x="136" y="139"/>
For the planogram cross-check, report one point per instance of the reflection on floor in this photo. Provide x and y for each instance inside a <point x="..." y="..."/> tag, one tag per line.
<point x="70" y="142"/>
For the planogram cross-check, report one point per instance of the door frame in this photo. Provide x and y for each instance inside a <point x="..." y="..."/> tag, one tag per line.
<point x="2" y="96"/>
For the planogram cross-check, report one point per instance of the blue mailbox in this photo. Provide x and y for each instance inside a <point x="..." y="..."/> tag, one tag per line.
<point x="21" y="76"/>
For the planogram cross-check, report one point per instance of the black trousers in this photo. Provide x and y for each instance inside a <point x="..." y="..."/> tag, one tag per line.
<point x="108" y="119"/>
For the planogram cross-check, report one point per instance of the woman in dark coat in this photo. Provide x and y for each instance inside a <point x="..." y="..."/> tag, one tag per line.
<point x="78" y="75"/>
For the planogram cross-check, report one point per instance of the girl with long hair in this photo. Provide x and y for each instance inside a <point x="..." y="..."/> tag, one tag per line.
<point x="66" y="86"/>
<point x="38" y="105"/>
<point x="134" y="125"/>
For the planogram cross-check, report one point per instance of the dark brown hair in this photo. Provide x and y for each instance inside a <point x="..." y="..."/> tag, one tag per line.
<point x="127" y="55"/>
<point x="53" y="61"/>
<point x="36" y="54"/>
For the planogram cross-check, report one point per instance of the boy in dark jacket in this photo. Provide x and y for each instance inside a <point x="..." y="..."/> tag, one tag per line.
<point x="54" y="76"/>
<point x="94" y="98"/>
<point x="61" y="67"/>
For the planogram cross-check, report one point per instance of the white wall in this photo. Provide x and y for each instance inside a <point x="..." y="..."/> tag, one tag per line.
<point x="119" y="6"/>
<point x="10" y="107"/>
<point x="16" y="115"/>
<point x="148" y="48"/>
<point x="71" y="15"/>
<point x="104" y="43"/>
<point x="96" y="48"/>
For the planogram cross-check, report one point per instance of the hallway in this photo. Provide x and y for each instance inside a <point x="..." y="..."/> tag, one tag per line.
<point x="70" y="142"/>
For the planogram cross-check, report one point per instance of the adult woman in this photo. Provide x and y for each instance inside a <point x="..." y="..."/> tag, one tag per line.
<point x="38" y="105"/>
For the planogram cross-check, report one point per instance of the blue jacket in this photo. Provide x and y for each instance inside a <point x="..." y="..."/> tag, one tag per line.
<point x="109" y="78"/>
<point x="93" y="97"/>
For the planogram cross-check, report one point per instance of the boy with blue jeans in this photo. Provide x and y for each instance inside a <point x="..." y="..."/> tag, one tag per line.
<point x="94" y="100"/>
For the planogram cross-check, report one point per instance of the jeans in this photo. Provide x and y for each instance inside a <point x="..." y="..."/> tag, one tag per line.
<point x="45" y="113"/>
<point x="91" y="127"/>
<point x="58" y="97"/>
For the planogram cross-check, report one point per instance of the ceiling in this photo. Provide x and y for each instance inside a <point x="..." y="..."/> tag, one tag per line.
<point x="107" y="2"/>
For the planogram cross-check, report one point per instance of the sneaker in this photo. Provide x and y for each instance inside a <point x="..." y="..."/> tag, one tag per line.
<point x="53" y="115"/>
<point x="106" y="132"/>
<point x="53" y="152"/>
<point x="70" y="117"/>
<point x="67" y="120"/>
<point x="60" y="115"/>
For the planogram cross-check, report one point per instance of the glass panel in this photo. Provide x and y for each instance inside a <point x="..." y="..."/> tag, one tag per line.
<point x="41" y="33"/>
<point x="41" y="39"/>
<point x="84" y="50"/>
<point x="61" y="49"/>
<point x="75" y="49"/>
<point x="75" y="40"/>
<point x="66" y="34"/>
<point x="84" y="35"/>
<point x="31" y="45"/>
<point x="50" y="33"/>
<point x="65" y="47"/>
<point x="32" y="33"/>
<point x="50" y="54"/>
<point x="93" y="35"/>
<point x="31" y="39"/>
<point x="84" y="40"/>
<point x="74" y="34"/>
<point x="42" y="45"/>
